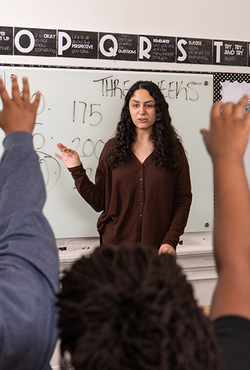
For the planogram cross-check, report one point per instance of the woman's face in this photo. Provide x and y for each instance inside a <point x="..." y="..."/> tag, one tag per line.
<point x="142" y="110"/>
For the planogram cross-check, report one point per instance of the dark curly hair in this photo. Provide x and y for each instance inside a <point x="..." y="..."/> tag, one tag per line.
<point x="167" y="143"/>
<point x="127" y="308"/>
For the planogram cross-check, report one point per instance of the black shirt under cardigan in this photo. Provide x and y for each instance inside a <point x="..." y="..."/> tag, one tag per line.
<point x="140" y="202"/>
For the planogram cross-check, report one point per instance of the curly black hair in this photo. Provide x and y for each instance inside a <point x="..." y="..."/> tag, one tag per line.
<point x="167" y="143"/>
<point x="128" y="308"/>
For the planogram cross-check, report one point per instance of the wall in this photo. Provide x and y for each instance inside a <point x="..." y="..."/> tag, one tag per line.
<point x="198" y="19"/>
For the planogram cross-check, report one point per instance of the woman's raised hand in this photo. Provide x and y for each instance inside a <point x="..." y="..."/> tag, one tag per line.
<point x="69" y="156"/>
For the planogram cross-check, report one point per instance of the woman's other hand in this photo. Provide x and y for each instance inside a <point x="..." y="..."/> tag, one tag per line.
<point x="69" y="156"/>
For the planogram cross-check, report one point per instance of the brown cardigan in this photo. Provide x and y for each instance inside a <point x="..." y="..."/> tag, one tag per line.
<point x="140" y="203"/>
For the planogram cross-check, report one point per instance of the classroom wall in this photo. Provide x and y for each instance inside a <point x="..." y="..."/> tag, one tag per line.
<point x="193" y="18"/>
<point x="228" y="20"/>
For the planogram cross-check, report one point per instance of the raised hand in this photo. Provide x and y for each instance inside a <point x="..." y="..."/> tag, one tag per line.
<point x="69" y="157"/>
<point x="18" y="112"/>
<point x="229" y="131"/>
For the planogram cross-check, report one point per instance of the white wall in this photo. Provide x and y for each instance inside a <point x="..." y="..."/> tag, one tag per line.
<point x="222" y="19"/>
<point x="194" y="18"/>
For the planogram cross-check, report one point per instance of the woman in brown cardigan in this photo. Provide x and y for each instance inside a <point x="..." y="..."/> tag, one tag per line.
<point x="142" y="183"/>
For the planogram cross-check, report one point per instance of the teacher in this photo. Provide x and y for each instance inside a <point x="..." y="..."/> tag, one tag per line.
<point x="142" y="182"/>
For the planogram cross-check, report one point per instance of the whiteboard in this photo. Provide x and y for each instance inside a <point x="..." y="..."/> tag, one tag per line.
<point x="81" y="108"/>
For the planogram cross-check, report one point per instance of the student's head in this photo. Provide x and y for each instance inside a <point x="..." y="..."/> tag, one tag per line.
<point x="126" y="308"/>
